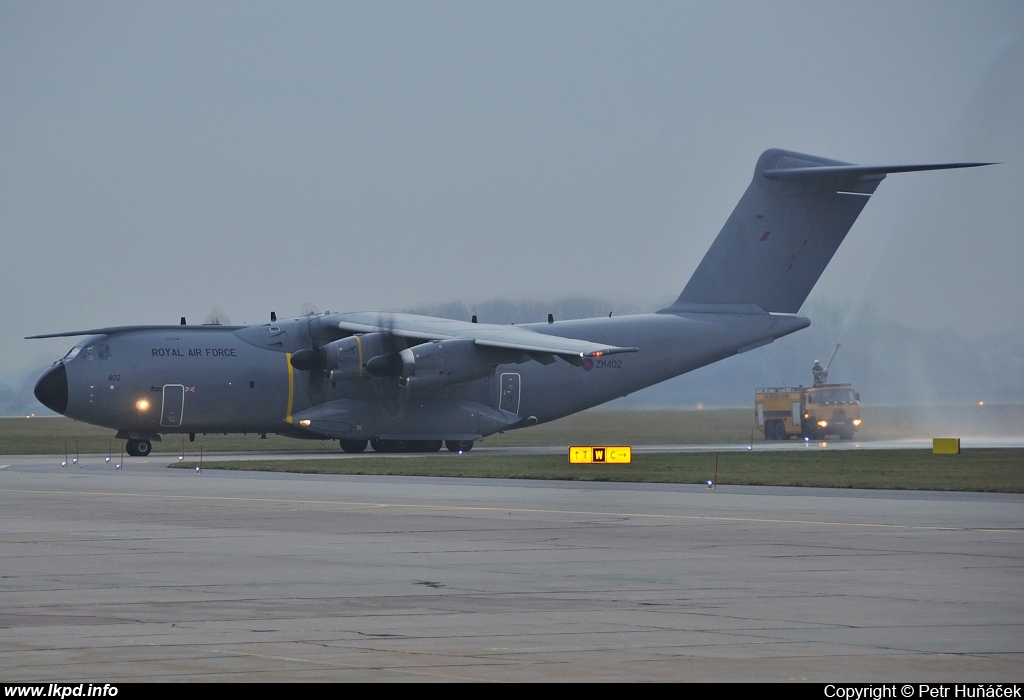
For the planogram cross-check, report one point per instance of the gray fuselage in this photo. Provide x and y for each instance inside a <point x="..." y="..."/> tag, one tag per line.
<point x="202" y="379"/>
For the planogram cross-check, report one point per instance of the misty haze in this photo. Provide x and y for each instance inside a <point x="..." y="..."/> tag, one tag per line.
<point x="233" y="159"/>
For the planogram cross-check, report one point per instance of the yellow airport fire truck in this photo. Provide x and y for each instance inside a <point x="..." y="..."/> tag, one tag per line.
<point x="810" y="412"/>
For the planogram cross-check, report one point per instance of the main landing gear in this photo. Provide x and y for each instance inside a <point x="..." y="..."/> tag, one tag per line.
<point x="354" y="446"/>
<point x="459" y="445"/>
<point x="138" y="448"/>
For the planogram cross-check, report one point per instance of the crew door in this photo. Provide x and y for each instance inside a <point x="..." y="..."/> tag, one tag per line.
<point x="173" y="405"/>
<point x="510" y="392"/>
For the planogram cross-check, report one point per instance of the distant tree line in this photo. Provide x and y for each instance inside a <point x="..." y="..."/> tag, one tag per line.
<point x="888" y="363"/>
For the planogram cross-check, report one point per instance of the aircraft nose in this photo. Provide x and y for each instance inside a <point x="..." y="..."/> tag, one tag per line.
<point x="52" y="389"/>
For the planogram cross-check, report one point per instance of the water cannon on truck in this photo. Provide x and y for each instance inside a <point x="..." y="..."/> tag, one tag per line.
<point x="812" y="412"/>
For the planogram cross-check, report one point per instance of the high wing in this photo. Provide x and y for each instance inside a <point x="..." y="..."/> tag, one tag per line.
<point x="111" y="330"/>
<point x="428" y="328"/>
<point x="413" y="327"/>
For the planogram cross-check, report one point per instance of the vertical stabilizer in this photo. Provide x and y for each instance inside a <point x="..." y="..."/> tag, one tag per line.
<point x="785" y="230"/>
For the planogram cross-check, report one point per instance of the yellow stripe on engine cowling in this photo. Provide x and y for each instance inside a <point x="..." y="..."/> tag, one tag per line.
<point x="291" y="388"/>
<point x="359" y="344"/>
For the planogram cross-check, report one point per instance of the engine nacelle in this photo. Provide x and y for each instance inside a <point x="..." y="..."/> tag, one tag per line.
<point x="436" y="363"/>
<point x="347" y="358"/>
<point x="443" y="362"/>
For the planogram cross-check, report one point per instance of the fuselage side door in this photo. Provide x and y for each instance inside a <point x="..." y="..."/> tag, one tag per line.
<point x="173" y="405"/>
<point x="510" y="392"/>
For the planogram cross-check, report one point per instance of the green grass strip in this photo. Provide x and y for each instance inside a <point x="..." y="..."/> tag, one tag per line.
<point x="994" y="470"/>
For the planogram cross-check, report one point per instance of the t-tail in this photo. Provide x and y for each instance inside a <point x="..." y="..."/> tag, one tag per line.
<point x="785" y="230"/>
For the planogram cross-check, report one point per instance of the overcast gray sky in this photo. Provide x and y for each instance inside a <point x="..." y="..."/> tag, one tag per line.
<point x="168" y="159"/>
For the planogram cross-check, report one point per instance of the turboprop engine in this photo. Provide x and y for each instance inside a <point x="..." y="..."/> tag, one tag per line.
<point x="443" y="362"/>
<point x="434" y="363"/>
<point x="346" y="358"/>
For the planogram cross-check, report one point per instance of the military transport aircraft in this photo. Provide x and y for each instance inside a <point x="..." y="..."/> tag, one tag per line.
<point x="401" y="382"/>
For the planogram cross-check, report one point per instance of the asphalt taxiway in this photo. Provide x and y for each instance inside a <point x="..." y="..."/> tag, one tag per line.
<point x="163" y="574"/>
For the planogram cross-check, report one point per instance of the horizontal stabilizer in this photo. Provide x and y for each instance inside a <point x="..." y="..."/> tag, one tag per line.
<point x="853" y="171"/>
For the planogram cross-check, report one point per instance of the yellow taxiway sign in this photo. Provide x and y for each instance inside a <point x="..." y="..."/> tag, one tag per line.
<point x="600" y="455"/>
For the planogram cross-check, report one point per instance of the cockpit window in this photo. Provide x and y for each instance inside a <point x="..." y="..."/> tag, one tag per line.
<point x="94" y="352"/>
<point x="72" y="352"/>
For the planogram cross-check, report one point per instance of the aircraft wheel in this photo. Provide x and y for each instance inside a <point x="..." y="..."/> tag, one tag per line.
<point x="431" y="446"/>
<point x="459" y="445"/>
<point x="353" y="445"/>
<point x="379" y="445"/>
<point x="780" y="431"/>
<point x="138" y="448"/>
<point x="401" y="446"/>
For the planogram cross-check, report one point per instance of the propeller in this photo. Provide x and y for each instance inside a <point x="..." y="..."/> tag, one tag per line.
<point x="314" y="360"/>
<point x="386" y="367"/>
<point x="388" y="363"/>
<point x="375" y="355"/>
<point x="217" y="317"/>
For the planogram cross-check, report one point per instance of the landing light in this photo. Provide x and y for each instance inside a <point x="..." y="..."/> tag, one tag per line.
<point x="823" y="424"/>
<point x="305" y="423"/>
<point x="856" y="421"/>
<point x="142" y="405"/>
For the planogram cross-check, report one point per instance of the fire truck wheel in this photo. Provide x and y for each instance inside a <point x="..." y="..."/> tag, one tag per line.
<point x="780" y="431"/>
